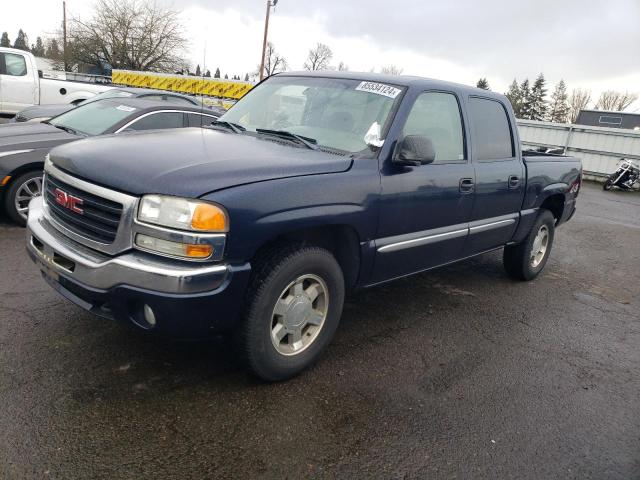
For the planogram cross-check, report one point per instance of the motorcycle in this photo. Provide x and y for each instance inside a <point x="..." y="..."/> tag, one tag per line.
<point x="625" y="176"/>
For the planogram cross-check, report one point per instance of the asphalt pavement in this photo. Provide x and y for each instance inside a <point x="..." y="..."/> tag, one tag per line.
<point x="457" y="373"/>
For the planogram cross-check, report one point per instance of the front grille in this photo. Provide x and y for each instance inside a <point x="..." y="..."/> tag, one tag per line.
<point x="99" y="219"/>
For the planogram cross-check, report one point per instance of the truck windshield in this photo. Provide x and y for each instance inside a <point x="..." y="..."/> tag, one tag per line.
<point x="337" y="113"/>
<point x="94" y="118"/>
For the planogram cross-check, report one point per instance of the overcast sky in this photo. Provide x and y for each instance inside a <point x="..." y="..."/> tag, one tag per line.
<point x="590" y="43"/>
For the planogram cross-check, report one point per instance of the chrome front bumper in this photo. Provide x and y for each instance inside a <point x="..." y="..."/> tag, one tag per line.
<point x="58" y="256"/>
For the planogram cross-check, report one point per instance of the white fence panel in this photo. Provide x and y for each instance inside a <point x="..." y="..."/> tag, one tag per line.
<point x="599" y="148"/>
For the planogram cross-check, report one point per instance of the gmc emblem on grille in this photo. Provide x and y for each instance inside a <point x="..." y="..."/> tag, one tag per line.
<point x="68" y="201"/>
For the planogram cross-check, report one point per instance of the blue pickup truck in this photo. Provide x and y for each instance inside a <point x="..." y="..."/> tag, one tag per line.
<point x="312" y="185"/>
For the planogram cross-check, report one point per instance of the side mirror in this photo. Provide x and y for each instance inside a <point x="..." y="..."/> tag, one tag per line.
<point x="415" y="150"/>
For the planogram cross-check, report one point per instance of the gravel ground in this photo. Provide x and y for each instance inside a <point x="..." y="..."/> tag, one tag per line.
<point x="458" y="373"/>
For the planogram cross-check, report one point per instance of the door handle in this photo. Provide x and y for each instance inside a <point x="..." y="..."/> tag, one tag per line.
<point x="466" y="185"/>
<point x="514" y="181"/>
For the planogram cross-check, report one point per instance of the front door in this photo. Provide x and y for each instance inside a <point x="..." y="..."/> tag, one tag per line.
<point x="500" y="176"/>
<point x="425" y="210"/>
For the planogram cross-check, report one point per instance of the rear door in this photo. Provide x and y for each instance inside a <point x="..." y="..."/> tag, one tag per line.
<point x="499" y="176"/>
<point x="425" y="210"/>
<point x="18" y="79"/>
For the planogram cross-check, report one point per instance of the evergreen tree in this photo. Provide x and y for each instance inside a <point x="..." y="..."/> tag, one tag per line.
<point x="53" y="50"/>
<point x="226" y="76"/>
<point x="483" y="83"/>
<point x="198" y="71"/>
<point x="207" y="73"/>
<point x="217" y="74"/>
<point x="514" y="96"/>
<point x="525" y="100"/>
<point x="538" y="104"/>
<point x="246" y="77"/>
<point x="22" y="41"/>
<point x="38" y="48"/>
<point x="4" y="41"/>
<point x="559" y="109"/>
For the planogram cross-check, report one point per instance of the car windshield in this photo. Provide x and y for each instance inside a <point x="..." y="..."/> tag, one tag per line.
<point x="94" y="118"/>
<point x="334" y="112"/>
<point x="112" y="93"/>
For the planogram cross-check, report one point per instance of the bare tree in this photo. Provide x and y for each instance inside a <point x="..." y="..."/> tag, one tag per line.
<point x="391" y="70"/>
<point x="616" y="101"/>
<point x="129" y="34"/>
<point x="319" y="58"/>
<point x="578" y="100"/>
<point x="273" y="62"/>
<point x="342" y="67"/>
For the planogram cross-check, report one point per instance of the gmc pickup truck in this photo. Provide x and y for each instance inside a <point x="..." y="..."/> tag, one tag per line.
<point x="22" y="85"/>
<point x="312" y="185"/>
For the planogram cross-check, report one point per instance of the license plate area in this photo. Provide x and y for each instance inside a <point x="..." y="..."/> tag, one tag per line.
<point x="53" y="259"/>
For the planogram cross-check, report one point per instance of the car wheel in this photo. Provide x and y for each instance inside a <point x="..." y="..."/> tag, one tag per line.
<point x="293" y="308"/>
<point x="20" y="192"/>
<point x="527" y="259"/>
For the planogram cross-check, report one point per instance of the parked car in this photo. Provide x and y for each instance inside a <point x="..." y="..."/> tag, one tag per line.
<point x="21" y="84"/>
<point x="40" y="113"/>
<point x="312" y="185"/>
<point x="23" y="146"/>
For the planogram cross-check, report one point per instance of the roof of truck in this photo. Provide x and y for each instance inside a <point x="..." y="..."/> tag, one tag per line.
<point x="398" y="80"/>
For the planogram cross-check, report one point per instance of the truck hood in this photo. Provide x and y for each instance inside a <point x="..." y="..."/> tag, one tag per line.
<point x="31" y="136"/>
<point x="189" y="162"/>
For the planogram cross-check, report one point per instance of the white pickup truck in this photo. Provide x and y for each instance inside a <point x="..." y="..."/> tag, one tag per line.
<point x="22" y="85"/>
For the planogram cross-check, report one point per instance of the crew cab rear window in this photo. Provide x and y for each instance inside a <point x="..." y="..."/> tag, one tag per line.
<point x="13" y="64"/>
<point x="491" y="130"/>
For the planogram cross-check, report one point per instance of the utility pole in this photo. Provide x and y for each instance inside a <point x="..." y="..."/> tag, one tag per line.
<point x="270" y="3"/>
<point x="64" y="35"/>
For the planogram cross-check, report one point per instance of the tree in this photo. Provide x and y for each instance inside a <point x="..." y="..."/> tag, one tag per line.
<point x="391" y="70"/>
<point x="559" y="108"/>
<point x="38" y="49"/>
<point x="4" y="41"/>
<point x="483" y="83"/>
<point x="129" y="34"/>
<point x="615" y="101"/>
<point x="342" y="67"/>
<point x="53" y="50"/>
<point x="226" y="76"/>
<point x="246" y="77"/>
<point x="198" y="71"/>
<point x="273" y="62"/>
<point x="525" y="100"/>
<point x="319" y="58"/>
<point x="578" y="100"/>
<point x="22" y="41"/>
<point x="217" y="74"/>
<point x="207" y="73"/>
<point x="515" y="97"/>
<point x="538" y="104"/>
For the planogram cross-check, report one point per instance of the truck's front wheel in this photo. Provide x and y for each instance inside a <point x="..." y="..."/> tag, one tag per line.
<point x="527" y="259"/>
<point x="293" y="308"/>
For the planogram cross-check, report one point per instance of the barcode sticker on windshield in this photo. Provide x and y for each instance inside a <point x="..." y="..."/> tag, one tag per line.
<point x="379" y="89"/>
<point x="126" y="108"/>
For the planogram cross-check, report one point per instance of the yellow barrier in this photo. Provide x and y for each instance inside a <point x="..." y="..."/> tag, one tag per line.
<point x="213" y="87"/>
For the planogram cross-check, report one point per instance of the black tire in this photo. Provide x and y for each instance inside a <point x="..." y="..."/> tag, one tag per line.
<point x="608" y="184"/>
<point x="12" y="191"/>
<point x="272" y="274"/>
<point x="518" y="260"/>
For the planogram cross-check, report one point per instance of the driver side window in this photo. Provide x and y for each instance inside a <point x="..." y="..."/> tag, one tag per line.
<point x="436" y="115"/>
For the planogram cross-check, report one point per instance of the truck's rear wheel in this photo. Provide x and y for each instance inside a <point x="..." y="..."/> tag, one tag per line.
<point x="20" y="192"/>
<point x="293" y="308"/>
<point x="527" y="259"/>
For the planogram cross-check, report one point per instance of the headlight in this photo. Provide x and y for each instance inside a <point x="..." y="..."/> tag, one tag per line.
<point x="182" y="214"/>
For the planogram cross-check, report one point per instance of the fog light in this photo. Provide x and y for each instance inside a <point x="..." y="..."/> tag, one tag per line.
<point x="149" y="316"/>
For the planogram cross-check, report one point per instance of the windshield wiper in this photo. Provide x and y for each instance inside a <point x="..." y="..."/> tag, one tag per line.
<point x="234" y="127"/>
<point x="310" y="143"/>
<point x="67" y="129"/>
